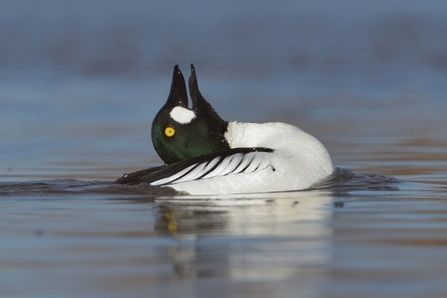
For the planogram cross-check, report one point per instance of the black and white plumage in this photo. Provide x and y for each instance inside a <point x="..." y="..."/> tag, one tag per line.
<point x="232" y="162"/>
<point x="206" y="155"/>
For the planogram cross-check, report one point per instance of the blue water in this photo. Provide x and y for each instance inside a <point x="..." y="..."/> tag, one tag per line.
<point x="80" y="83"/>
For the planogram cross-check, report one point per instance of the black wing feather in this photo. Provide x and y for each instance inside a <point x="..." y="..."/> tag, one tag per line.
<point x="180" y="169"/>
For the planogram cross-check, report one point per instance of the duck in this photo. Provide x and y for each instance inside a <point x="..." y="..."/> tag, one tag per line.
<point x="206" y="155"/>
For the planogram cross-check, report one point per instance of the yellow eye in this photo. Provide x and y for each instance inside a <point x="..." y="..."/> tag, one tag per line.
<point x="169" y="131"/>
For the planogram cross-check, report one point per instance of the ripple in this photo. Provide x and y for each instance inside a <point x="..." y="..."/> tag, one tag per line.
<point x="343" y="179"/>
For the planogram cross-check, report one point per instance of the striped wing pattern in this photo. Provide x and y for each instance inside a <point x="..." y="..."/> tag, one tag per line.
<point x="234" y="161"/>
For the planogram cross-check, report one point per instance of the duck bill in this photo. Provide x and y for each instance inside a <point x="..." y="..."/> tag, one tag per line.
<point x="198" y="102"/>
<point x="178" y="95"/>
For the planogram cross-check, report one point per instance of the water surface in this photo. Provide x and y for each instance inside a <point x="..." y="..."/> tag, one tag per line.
<point x="81" y="82"/>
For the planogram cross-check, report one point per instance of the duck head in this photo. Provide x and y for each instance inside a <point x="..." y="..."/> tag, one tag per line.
<point x="180" y="133"/>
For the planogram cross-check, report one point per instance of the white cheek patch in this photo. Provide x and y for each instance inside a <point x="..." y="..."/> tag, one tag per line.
<point x="182" y="115"/>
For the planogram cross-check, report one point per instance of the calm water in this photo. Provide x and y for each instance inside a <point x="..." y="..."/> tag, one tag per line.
<point x="80" y="83"/>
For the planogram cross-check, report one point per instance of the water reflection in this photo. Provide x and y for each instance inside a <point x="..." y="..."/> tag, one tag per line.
<point x="257" y="238"/>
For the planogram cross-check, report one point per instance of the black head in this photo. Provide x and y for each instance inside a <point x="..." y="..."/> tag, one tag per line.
<point x="180" y="133"/>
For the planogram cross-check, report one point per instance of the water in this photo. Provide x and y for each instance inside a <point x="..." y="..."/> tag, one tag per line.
<point x="81" y="82"/>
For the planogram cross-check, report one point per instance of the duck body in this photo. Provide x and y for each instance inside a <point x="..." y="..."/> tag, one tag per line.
<point x="297" y="161"/>
<point x="243" y="157"/>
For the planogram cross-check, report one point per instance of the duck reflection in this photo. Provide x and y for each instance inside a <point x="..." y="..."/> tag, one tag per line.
<point x="263" y="237"/>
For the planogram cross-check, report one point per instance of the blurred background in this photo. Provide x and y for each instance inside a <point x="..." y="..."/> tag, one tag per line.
<point x="80" y="81"/>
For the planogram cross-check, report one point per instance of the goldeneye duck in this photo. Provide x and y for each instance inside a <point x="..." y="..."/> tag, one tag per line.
<point x="205" y="154"/>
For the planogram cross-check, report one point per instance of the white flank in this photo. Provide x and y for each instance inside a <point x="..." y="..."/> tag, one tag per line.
<point x="182" y="115"/>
